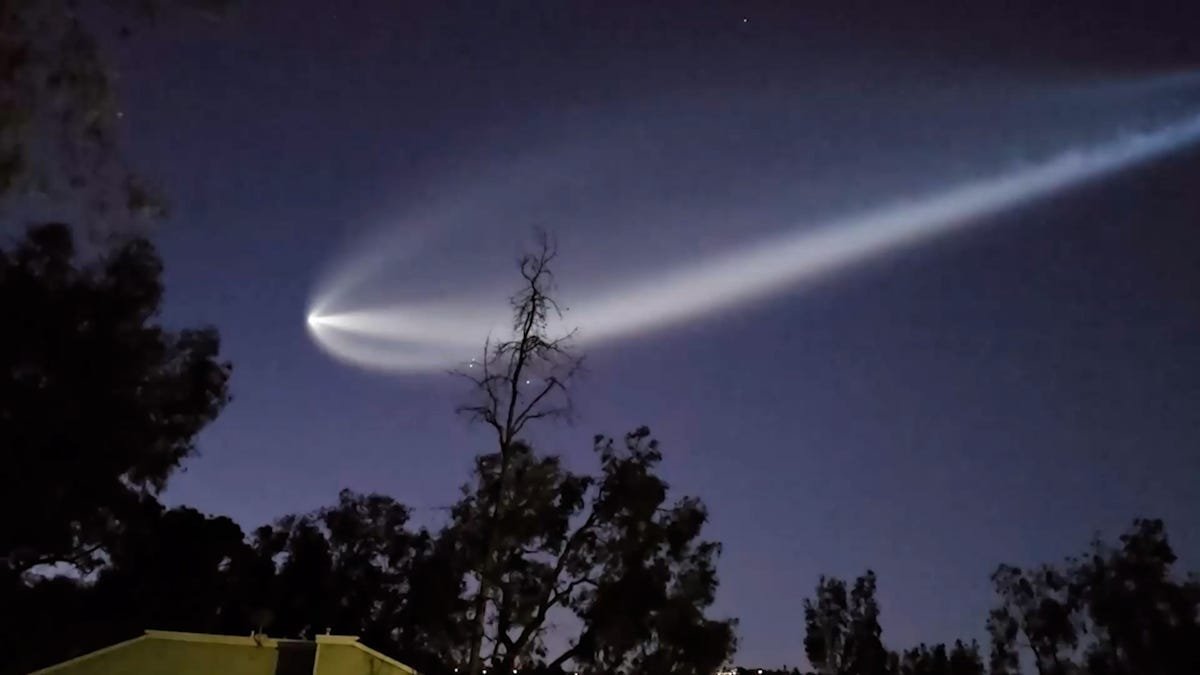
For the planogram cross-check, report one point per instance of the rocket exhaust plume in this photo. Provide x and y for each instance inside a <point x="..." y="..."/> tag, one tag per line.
<point x="430" y="337"/>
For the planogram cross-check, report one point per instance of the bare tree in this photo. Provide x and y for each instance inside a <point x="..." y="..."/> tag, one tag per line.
<point x="517" y="380"/>
<point x="607" y="550"/>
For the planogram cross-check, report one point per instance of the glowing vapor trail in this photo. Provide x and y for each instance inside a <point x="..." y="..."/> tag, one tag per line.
<point x="416" y="338"/>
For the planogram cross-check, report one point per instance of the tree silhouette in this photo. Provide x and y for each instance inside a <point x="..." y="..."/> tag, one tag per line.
<point x="1115" y="610"/>
<point x="1142" y="619"/>
<point x="536" y="539"/>
<point x="1112" y="611"/>
<point x="98" y="403"/>
<point x="608" y="549"/>
<point x="506" y="399"/>
<point x="157" y="552"/>
<point x="843" y="637"/>
<point x="344" y="568"/>
<point x="1038" y="607"/>
<point x="960" y="659"/>
<point x="169" y="568"/>
<point x="842" y="631"/>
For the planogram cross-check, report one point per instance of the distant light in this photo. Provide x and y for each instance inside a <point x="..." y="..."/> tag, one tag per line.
<point x="760" y="671"/>
<point x="745" y="20"/>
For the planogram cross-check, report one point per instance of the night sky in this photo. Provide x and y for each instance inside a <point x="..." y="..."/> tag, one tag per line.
<point x="995" y="395"/>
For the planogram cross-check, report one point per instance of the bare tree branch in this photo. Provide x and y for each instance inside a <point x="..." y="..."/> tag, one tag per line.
<point x="505" y="367"/>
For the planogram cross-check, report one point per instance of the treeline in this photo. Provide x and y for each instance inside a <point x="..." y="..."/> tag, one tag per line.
<point x="1113" y="610"/>
<point x="99" y="405"/>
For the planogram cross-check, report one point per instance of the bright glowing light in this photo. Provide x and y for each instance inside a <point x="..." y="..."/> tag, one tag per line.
<point x="433" y="337"/>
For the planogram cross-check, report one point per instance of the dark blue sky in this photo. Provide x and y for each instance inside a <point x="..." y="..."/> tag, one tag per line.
<point x="996" y="396"/>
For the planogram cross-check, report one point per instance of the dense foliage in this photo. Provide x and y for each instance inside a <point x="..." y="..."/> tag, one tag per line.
<point x="98" y="402"/>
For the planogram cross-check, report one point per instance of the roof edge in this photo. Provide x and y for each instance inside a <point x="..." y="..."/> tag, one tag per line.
<point x="235" y="640"/>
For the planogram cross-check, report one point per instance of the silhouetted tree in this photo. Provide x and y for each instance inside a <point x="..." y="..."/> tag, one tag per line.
<point x="1113" y="611"/>
<point x="99" y="404"/>
<point x="536" y="539"/>
<point x="186" y="568"/>
<point x="1037" y="606"/>
<point x="344" y="568"/>
<point x="842" y="631"/>
<point x="960" y="659"/>
<point x="170" y="568"/>
<point x="1140" y="617"/>
<point x="609" y="549"/>
<point x="843" y="637"/>
<point x="430" y="628"/>
<point x="515" y="382"/>
<point x="356" y="568"/>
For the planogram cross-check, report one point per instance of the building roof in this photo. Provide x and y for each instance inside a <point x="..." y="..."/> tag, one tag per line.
<point x="156" y="649"/>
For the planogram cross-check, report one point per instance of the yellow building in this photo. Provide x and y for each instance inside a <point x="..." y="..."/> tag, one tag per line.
<point x="161" y="652"/>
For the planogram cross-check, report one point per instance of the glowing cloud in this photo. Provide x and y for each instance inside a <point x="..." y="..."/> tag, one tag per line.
<point x="430" y="337"/>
